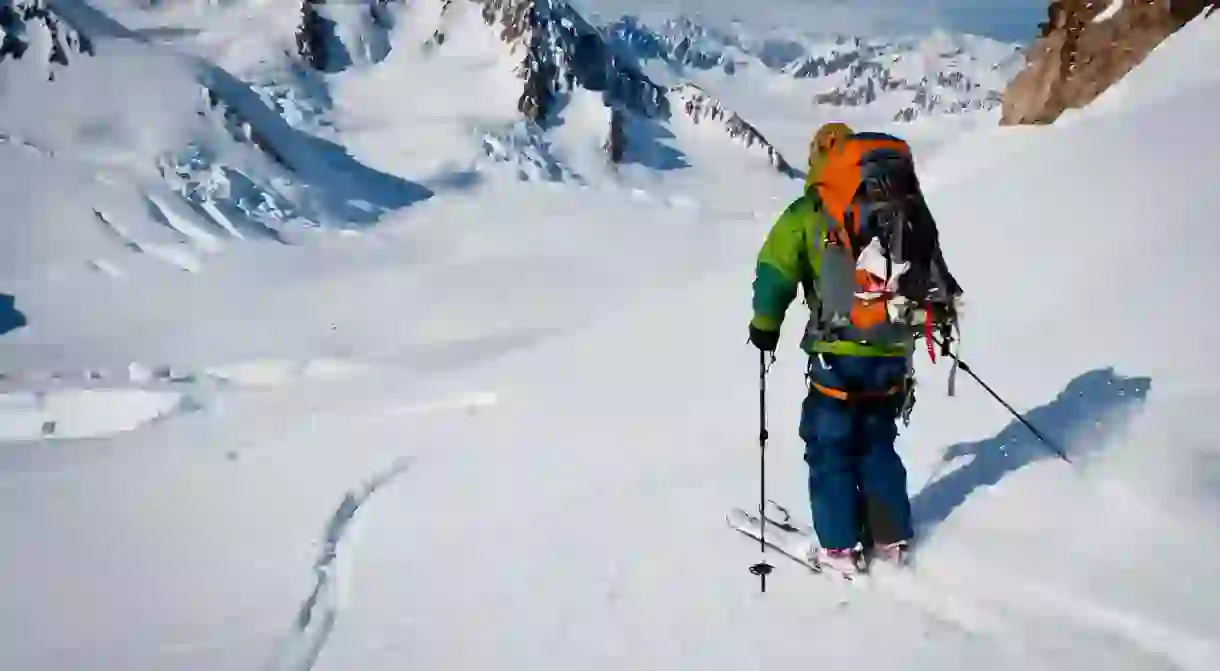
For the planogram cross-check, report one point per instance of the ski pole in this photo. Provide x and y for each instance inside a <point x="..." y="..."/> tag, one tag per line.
<point x="1021" y="418"/>
<point x="762" y="569"/>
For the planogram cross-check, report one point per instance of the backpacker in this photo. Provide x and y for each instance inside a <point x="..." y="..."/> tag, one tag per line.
<point x="881" y="277"/>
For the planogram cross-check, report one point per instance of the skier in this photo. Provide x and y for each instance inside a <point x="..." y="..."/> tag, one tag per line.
<point x="862" y="245"/>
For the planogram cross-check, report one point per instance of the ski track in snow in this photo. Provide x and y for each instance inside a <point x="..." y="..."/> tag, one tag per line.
<point x="610" y="383"/>
<point x="315" y="620"/>
<point x="1031" y="599"/>
<point x="937" y="600"/>
<point x="1184" y="650"/>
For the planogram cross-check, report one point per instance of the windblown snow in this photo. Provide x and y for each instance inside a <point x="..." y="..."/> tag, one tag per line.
<point x="362" y="370"/>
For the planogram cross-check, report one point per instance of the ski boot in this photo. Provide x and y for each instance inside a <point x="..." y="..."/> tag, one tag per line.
<point x="850" y="562"/>
<point x="896" y="554"/>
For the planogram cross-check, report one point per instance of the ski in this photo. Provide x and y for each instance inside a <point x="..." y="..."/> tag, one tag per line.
<point x="790" y="540"/>
<point x="794" y="540"/>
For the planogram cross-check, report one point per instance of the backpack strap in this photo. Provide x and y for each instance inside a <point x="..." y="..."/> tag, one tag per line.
<point x="830" y="229"/>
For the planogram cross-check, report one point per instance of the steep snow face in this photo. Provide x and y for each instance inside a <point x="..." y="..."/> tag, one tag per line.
<point x="170" y="155"/>
<point x="81" y="153"/>
<point x="701" y="108"/>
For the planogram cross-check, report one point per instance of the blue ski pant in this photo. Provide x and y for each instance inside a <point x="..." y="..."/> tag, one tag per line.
<point x="857" y="482"/>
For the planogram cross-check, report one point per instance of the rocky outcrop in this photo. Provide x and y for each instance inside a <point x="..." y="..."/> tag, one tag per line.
<point x="333" y="36"/>
<point x="925" y="103"/>
<point x="616" y="140"/>
<point x="315" y="37"/>
<point x="1085" y="46"/>
<point x="31" y="31"/>
<point x="701" y="107"/>
<point x="814" y="66"/>
<point x="562" y="51"/>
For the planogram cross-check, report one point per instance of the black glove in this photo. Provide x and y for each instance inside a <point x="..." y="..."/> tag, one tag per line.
<point x="766" y="341"/>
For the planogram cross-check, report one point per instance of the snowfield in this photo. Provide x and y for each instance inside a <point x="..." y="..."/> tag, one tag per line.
<point x="421" y="405"/>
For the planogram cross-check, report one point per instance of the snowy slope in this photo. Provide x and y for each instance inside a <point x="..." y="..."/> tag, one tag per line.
<point x="502" y="425"/>
<point x="619" y="449"/>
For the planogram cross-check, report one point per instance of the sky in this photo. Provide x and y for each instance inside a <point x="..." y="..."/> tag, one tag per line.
<point x="1008" y="20"/>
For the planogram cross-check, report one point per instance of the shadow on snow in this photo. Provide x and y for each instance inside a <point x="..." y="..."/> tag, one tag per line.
<point x="11" y="318"/>
<point x="1076" y="420"/>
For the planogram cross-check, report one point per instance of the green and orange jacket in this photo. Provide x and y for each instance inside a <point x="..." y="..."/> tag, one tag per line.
<point x="790" y="258"/>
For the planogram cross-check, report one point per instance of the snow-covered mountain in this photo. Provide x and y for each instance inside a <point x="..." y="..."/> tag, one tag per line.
<point x="938" y="74"/>
<point x="584" y="93"/>
<point x="559" y="54"/>
<point x="167" y="154"/>
<point x="361" y="367"/>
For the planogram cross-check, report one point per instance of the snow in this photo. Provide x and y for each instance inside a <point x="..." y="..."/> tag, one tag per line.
<point x="1109" y="12"/>
<point x="80" y="413"/>
<point x="503" y="420"/>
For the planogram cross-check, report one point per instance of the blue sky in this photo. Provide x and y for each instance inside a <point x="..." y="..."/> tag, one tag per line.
<point x="1009" y="20"/>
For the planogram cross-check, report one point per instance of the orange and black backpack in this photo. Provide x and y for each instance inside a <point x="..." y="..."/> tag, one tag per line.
<point x="880" y="270"/>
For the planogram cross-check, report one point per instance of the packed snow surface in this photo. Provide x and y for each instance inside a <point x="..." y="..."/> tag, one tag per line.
<point x="359" y="395"/>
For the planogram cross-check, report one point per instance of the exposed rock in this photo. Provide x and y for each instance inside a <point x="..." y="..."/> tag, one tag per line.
<point x="616" y="139"/>
<point x="1085" y="46"/>
<point x="525" y="148"/>
<point x="563" y="51"/>
<point x="810" y="67"/>
<point x="30" y="30"/>
<point x="333" y="36"/>
<point x="314" y="35"/>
